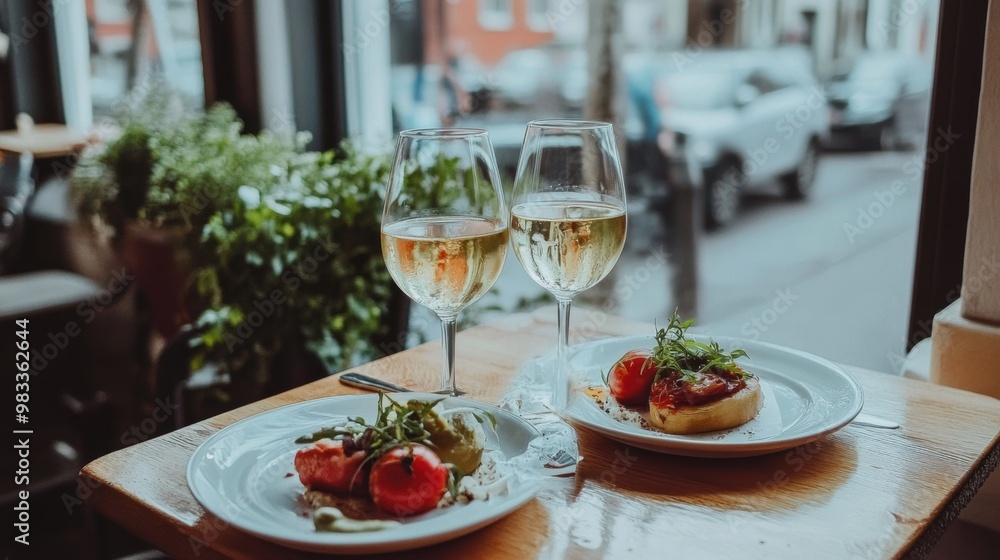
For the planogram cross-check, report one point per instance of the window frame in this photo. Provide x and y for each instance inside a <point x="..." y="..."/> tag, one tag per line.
<point x="229" y="59"/>
<point x="36" y="81"/>
<point x="7" y="111"/>
<point x="944" y="206"/>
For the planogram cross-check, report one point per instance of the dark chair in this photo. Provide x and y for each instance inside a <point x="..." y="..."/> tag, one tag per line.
<point x="16" y="188"/>
<point x="193" y="390"/>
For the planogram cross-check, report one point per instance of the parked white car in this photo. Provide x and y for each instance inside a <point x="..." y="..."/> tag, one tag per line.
<point x="744" y="118"/>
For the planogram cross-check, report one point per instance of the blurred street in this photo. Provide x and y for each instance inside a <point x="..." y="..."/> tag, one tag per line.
<point x="795" y="256"/>
<point x="800" y="253"/>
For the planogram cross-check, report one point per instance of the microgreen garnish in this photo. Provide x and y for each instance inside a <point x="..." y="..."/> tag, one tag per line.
<point x="489" y="416"/>
<point x="396" y="425"/>
<point x="454" y="478"/>
<point x="675" y="352"/>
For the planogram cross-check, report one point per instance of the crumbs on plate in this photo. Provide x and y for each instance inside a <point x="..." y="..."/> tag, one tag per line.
<point x="638" y="418"/>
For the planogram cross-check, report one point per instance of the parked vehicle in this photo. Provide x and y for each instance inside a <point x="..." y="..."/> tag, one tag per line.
<point x="744" y="118"/>
<point x="881" y="103"/>
<point x="523" y="76"/>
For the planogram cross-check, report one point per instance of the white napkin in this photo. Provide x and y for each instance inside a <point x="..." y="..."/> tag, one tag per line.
<point x="529" y="395"/>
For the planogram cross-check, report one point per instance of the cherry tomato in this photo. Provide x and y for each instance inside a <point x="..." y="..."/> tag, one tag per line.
<point x="324" y="466"/>
<point x="632" y="377"/>
<point x="408" y="480"/>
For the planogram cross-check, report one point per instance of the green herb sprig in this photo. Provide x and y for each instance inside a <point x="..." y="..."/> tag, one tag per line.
<point x="675" y="352"/>
<point x="395" y="425"/>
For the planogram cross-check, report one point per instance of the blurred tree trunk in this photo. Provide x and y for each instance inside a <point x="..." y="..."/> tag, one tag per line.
<point x="140" y="34"/>
<point x="605" y="93"/>
<point x="605" y="50"/>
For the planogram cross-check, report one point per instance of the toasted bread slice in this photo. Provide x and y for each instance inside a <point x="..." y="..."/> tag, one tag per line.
<point x="727" y="412"/>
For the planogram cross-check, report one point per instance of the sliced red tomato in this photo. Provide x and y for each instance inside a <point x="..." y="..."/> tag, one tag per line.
<point x="408" y="480"/>
<point x="324" y="466"/>
<point x="632" y="376"/>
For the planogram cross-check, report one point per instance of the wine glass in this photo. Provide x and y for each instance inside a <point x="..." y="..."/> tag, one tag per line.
<point x="568" y="215"/>
<point x="444" y="225"/>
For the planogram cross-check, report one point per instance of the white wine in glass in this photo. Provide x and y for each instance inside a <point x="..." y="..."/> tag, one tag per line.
<point x="568" y="221"/>
<point x="444" y="225"/>
<point x="567" y="246"/>
<point x="444" y="263"/>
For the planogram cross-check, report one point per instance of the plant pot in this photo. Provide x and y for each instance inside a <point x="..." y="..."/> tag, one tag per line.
<point x="155" y="257"/>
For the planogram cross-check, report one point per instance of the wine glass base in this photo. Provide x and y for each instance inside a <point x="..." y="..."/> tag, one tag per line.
<point x="449" y="392"/>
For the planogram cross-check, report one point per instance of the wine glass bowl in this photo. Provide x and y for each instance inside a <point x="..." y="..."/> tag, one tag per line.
<point x="568" y="220"/>
<point x="444" y="225"/>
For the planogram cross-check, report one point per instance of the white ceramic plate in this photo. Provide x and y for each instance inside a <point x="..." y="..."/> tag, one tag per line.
<point x="814" y="397"/>
<point x="241" y="473"/>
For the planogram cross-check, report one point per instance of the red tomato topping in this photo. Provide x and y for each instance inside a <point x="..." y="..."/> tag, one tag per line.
<point x="673" y="390"/>
<point x="408" y="480"/>
<point x="324" y="466"/>
<point x="632" y="377"/>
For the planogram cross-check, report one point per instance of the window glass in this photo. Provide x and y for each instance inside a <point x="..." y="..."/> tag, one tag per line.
<point x="495" y="14"/>
<point x="135" y="41"/>
<point x="808" y="181"/>
<point x="538" y="11"/>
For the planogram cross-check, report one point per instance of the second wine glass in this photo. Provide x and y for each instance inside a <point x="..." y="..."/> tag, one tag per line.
<point x="568" y="215"/>
<point x="444" y="225"/>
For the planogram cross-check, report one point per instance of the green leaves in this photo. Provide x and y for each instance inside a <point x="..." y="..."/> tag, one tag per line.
<point x="675" y="352"/>
<point x="395" y="425"/>
<point x="264" y="225"/>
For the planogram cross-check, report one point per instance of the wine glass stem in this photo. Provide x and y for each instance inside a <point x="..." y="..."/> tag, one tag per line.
<point x="448" y="355"/>
<point x="560" y="394"/>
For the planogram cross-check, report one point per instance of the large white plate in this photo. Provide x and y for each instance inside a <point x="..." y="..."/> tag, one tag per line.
<point x="815" y="397"/>
<point x="241" y="473"/>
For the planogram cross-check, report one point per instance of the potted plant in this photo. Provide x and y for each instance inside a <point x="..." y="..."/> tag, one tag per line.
<point x="274" y="251"/>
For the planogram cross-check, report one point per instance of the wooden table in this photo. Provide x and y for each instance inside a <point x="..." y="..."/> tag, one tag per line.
<point x="860" y="493"/>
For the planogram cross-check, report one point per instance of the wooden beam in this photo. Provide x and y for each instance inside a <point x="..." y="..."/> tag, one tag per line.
<point x="981" y="278"/>
<point x="229" y="58"/>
